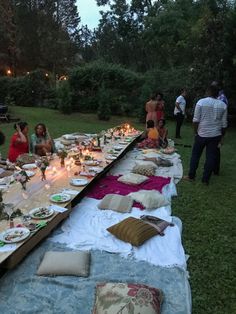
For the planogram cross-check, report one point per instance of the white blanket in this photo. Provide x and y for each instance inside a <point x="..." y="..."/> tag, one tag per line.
<point x="86" y="229"/>
<point x="128" y="162"/>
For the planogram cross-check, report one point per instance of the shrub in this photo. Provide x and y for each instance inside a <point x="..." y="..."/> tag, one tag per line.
<point x="123" y="86"/>
<point x="104" y="111"/>
<point x="64" y="97"/>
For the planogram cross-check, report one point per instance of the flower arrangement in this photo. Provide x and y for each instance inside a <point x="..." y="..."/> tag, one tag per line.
<point x="22" y="177"/>
<point x="62" y="154"/>
<point x="42" y="164"/>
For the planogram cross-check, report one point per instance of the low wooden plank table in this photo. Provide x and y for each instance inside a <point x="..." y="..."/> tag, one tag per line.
<point x="37" y="195"/>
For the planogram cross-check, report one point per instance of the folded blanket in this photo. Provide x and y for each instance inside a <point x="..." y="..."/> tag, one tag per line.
<point x="110" y="185"/>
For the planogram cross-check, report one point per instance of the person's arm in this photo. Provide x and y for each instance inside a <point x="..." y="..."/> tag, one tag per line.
<point x="196" y="118"/>
<point x="21" y="137"/>
<point x="224" y="122"/>
<point x="177" y="106"/>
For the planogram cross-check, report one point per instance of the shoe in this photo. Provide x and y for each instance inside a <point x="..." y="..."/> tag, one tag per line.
<point x="187" y="178"/>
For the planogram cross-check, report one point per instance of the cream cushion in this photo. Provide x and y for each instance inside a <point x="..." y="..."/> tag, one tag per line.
<point x="65" y="263"/>
<point x="118" y="203"/>
<point x="149" y="199"/>
<point x="132" y="178"/>
<point x="145" y="163"/>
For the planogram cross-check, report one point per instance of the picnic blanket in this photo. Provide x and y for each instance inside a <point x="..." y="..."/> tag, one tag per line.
<point x="21" y="291"/>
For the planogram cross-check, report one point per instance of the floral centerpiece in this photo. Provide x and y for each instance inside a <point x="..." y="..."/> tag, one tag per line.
<point x="62" y="154"/>
<point x="22" y="177"/>
<point x="42" y="164"/>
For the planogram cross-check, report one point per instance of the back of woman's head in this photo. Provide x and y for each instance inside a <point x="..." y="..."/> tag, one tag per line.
<point x="150" y="124"/>
<point x="2" y="138"/>
<point x="159" y="95"/>
<point x="22" y="125"/>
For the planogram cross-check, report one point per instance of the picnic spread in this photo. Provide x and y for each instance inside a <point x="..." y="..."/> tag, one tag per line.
<point x="118" y="236"/>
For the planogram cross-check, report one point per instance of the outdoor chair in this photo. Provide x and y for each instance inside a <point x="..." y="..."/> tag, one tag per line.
<point x="3" y="112"/>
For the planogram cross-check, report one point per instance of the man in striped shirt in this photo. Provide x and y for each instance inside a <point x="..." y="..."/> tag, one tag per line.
<point x="210" y="122"/>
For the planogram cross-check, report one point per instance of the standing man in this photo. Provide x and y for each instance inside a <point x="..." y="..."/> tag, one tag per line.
<point x="210" y="122"/>
<point x="179" y="111"/>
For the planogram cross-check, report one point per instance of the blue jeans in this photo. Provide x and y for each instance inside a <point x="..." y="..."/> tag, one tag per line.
<point x="211" y="144"/>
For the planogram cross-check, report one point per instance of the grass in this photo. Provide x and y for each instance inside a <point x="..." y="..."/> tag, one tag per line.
<point x="207" y="212"/>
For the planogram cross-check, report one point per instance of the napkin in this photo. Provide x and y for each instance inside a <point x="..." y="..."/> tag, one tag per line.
<point x="58" y="209"/>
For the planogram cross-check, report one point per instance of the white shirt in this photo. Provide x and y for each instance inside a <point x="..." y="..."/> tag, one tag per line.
<point x="211" y="114"/>
<point x="182" y="104"/>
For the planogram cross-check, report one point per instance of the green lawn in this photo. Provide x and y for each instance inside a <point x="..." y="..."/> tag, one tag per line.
<point x="207" y="213"/>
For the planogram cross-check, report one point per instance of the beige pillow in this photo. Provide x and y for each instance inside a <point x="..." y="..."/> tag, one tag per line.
<point x="149" y="199"/>
<point x="133" y="230"/>
<point x="145" y="163"/>
<point x="65" y="263"/>
<point x="127" y="298"/>
<point x="118" y="203"/>
<point x="132" y="178"/>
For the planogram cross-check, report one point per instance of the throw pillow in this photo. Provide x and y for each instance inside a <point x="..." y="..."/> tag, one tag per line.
<point x="132" y="178"/>
<point x="149" y="199"/>
<point x="118" y="203"/>
<point x="65" y="263"/>
<point x="133" y="230"/>
<point x="146" y="163"/>
<point x="145" y="170"/>
<point x="127" y="298"/>
<point x="157" y="223"/>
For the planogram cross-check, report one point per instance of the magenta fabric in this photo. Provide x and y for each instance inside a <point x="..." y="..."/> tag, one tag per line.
<point x="110" y="185"/>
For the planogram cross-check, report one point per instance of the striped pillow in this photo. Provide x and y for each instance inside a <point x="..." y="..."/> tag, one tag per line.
<point x="133" y="230"/>
<point x="118" y="203"/>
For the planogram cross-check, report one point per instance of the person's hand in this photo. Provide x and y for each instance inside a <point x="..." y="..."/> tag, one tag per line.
<point x="18" y="128"/>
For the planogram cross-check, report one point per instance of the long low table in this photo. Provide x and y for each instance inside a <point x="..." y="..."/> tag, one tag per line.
<point x="37" y="195"/>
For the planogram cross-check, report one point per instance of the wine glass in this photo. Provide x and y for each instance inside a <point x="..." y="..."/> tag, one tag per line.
<point x="8" y="209"/>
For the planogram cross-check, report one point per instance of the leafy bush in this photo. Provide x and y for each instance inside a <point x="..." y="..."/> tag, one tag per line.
<point x="123" y="86"/>
<point x="64" y="96"/>
<point x="104" y="111"/>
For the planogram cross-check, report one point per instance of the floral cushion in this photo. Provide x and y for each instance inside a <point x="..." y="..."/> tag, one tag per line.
<point x="145" y="170"/>
<point x="133" y="230"/>
<point x="149" y="199"/>
<point x="126" y="298"/>
<point x="132" y="178"/>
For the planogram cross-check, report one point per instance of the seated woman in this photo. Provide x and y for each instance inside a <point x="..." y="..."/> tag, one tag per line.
<point x="41" y="142"/>
<point x="19" y="143"/>
<point x="163" y="132"/>
<point x="150" y="136"/>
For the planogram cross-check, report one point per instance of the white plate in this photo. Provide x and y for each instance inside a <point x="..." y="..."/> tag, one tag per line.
<point x="29" y="166"/>
<point x="78" y="182"/>
<point x="60" y="198"/>
<point x="123" y="143"/>
<point x="69" y="137"/>
<point x="29" y="173"/>
<point x="22" y="233"/>
<point x="95" y="169"/>
<point x="91" y="162"/>
<point x="35" y="210"/>
<point x="118" y="147"/>
<point x="110" y="157"/>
